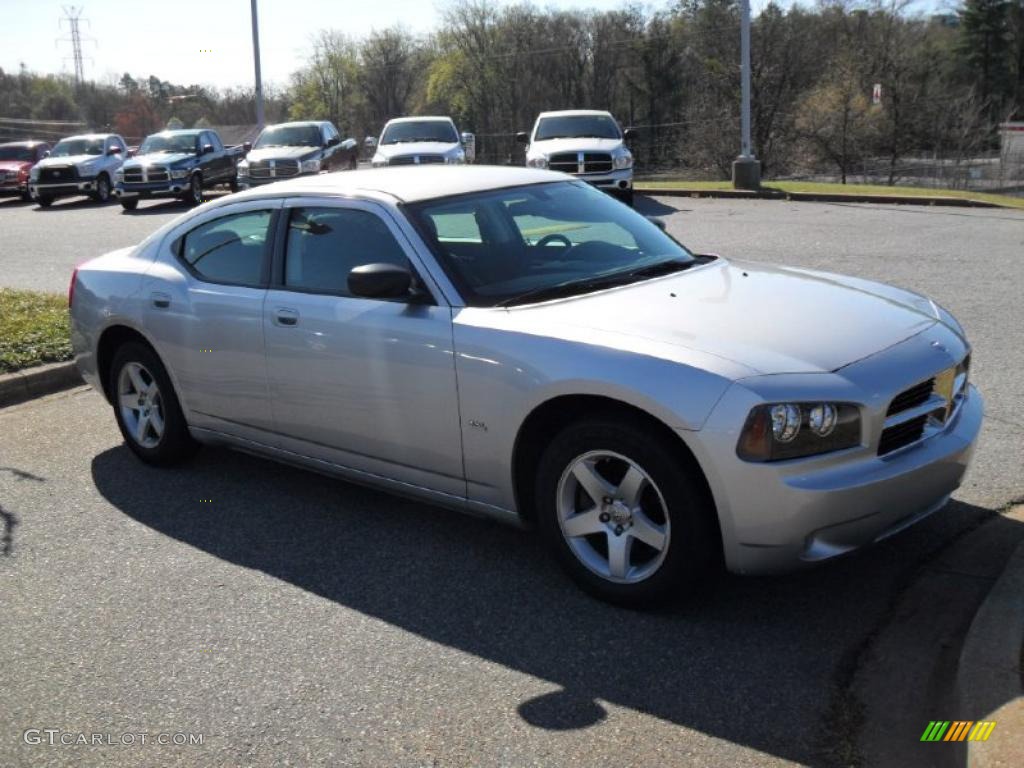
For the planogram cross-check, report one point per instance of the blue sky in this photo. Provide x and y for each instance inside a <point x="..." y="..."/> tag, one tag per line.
<point x="209" y="41"/>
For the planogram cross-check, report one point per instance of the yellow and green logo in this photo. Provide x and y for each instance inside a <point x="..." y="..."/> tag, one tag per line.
<point x="958" y="730"/>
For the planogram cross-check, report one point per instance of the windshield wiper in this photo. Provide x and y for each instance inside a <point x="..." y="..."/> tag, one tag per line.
<point x="608" y="280"/>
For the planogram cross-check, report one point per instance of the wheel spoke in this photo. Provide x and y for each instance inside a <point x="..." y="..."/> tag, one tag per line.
<point x="584" y="523"/>
<point x="619" y="548"/>
<point x="597" y="487"/>
<point x="632" y="486"/>
<point x="134" y="373"/>
<point x="157" y="422"/>
<point x="130" y="401"/>
<point x="140" y="429"/>
<point x="648" y="531"/>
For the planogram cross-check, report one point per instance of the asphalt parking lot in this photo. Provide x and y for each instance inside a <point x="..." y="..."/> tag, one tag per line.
<point x="294" y="619"/>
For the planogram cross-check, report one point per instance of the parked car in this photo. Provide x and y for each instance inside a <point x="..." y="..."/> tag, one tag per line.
<point x="16" y="161"/>
<point x="178" y="164"/>
<point x="78" y="165"/>
<point x="296" y="149"/>
<point x="423" y="140"/>
<point x="514" y="343"/>
<point x="587" y="143"/>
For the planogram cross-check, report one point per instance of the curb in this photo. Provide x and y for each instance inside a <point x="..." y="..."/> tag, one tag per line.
<point x="817" y="197"/>
<point x="35" y="382"/>
<point x="989" y="677"/>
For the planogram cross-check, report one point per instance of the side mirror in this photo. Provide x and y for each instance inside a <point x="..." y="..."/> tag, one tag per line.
<point x="46" y="153"/>
<point x="246" y="146"/>
<point x="379" y="281"/>
<point x="333" y="142"/>
<point x="114" y="151"/>
<point x="207" y="149"/>
<point x="522" y="137"/>
<point x="659" y="223"/>
<point x="629" y="134"/>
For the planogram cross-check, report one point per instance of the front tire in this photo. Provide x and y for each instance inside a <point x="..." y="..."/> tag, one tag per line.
<point x="147" y="409"/>
<point x="45" y="201"/>
<point x="233" y="184"/>
<point x="102" y="194"/>
<point x="129" y="203"/>
<point x="194" y="196"/>
<point x="626" y="517"/>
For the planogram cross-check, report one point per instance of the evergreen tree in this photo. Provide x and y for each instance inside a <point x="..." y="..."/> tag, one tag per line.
<point x="985" y="49"/>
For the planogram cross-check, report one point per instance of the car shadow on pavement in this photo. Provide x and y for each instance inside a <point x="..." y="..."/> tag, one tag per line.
<point x="648" y="206"/>
<point x="750" y="660"/>
<point x="8" y="520"/>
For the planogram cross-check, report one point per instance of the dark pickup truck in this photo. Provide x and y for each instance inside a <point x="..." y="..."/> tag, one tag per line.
<point x="296" y="149"/>
<point x="178" y="164"/>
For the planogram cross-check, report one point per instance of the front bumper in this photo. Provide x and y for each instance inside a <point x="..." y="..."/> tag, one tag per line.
<point x="83" y="186"/>
<point x="778" y="516"/>
<point x="13" y="187"/>
<point x="171" y="188"/>
<point x="247" y="182"/>
<point x="615" y="181"/>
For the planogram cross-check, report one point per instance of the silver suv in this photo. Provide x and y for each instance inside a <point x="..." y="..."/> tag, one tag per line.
<point x="78" y="165"/>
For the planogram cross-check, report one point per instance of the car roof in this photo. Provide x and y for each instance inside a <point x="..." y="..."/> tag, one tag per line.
<point x="576" y="113"/>
<point x="297" y="122"/>
<point x="406" y="184"/>
<point x="89" y="136"/>
<point x="180" y="132"/>
<point x="417" y="118"/>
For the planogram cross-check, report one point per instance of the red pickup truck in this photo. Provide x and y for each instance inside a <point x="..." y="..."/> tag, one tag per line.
<point x="16" y="158"/>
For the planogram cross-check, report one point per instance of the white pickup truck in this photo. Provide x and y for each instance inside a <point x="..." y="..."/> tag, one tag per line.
<point x="586" y="143"/>
<point x="79" y="165"/>
<point x="421" y="141"/>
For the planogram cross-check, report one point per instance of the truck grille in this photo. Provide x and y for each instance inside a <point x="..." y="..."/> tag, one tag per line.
<point x="157" y="173"/>
<point x="132" y="175"/>
<point x="572" y="162"/>
<point x="416" y="160"/>
<point x="141" y="174"/>
<point x="59" y="173"/>
<point x="273" y="169"/>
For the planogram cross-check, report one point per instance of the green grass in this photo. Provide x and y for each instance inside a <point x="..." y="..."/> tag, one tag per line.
<point x="850" y="189"/>
<point x="34" y="329"/>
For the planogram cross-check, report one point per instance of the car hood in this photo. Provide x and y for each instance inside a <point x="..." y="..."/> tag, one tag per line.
<point x="66" y="160"/>
<point x="554" y="146"/>
<point x="14" y="165"/>
<point x="280" y="153"/>
<point x="416" y="148"/>
<point x="767" y="319"/>
<point x="158" y="158"/>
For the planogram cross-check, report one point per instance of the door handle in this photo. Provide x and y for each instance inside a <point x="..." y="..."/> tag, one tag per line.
<point x="160" y="300"/>
<point x="285" y="316"/>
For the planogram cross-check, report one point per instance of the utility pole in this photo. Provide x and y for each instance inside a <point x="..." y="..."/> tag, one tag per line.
<point x="256" y="57"/>
<point x="746" y="170"/>
<point x="73" y="16"/>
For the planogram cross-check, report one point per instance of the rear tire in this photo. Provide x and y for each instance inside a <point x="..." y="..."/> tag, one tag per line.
<point x="650" y="538"/>
<point x="146" y="407"/>
<point x="129" y="203"/>
<point x="233" y="184"/>
<point x="102" y="193"/>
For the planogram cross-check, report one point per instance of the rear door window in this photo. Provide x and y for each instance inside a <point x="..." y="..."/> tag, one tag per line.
<point x="231" y="250"/>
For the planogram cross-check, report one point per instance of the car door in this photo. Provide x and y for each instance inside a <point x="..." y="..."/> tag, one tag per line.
<point x="368" y="384"/>
<point x="204" y="310"/>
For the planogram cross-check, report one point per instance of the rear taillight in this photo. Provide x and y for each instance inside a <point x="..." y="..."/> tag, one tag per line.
<point x="71" y="287"/>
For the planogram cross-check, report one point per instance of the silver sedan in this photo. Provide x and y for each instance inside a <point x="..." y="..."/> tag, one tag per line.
<point x="513" y="343"/>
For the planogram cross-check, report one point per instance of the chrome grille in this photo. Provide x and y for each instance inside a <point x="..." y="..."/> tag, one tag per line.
<point x="567" y="162"/>
<point x="597" y="162"/>
<point x="157" y="173"/>
<point x="133" y="175"/>
<point x="273" y="169"/>
<point x="581" y="162"/>
<point x="416" y="160"/>
<point x="924" y="409"/>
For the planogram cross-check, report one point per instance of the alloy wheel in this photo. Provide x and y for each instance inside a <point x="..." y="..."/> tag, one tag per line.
<point x="613" y="517"/>
<point x="139" y="399"/>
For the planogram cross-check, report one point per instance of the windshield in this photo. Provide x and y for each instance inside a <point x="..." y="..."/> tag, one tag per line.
<point x="169" y="142"/>
<point x="524" y="244"/>
<point x="16" y="152"/>
<point x="69" y="147"/>
<point x="420" y="130"/>
<point x="289" y="136"/>
<point x="578" y="126"/>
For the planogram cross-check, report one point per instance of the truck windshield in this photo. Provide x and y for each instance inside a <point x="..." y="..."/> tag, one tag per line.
<point x="15" y="152"/>
<point x="576" y="127"/>
<point x="69" y="147"/>
<point x="543" y="241"/>
<point x="289" y="136"/>
<point x="169" y="142"/>
<point x="420" y="130"/>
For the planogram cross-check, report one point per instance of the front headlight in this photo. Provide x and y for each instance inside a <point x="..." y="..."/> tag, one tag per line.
<point x="539" y="161"/>
<point x="459" y="158"/>
<point x="243" y="168"/>
<point x="34" y="174"/>
<point x="623" y="161"/>
<point x="118" y="176"/>
<point x="179" y="174"/>
<point x="311" y="166"/>
<point x="379" y="161"/>
<point x="779" y="431"/>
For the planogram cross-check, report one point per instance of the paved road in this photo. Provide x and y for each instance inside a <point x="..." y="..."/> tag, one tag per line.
<point x="299" y="620"/>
